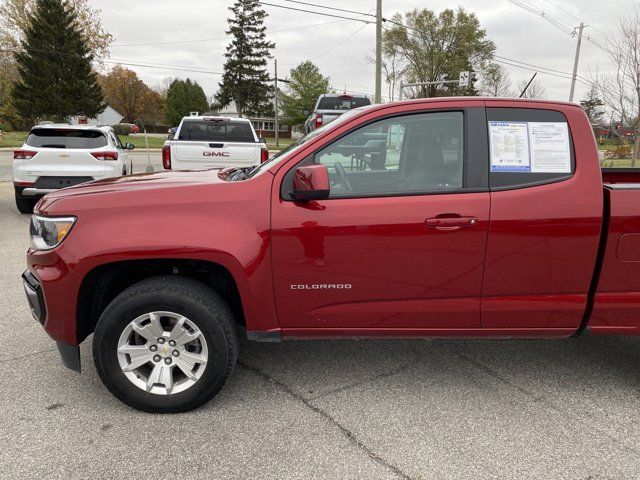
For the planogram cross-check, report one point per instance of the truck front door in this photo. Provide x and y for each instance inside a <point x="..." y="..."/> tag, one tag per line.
<point x="399" y="245"/>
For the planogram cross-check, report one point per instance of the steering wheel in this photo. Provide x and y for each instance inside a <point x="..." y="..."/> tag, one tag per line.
<point x="342" y="175"/>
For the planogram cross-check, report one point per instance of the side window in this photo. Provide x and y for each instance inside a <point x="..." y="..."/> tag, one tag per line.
<point x="410" y="154"/>
<point x="528" y="147"/>
<point x="116" y="140"/>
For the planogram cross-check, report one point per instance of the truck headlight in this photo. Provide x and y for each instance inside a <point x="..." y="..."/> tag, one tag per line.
<point x="48" y="232"/>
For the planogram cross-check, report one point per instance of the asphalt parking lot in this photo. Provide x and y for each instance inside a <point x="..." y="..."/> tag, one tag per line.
<point x="344" y="409"/>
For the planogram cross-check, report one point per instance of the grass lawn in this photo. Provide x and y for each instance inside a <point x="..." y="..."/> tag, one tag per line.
<point x="12" y="139"/>
<point x="284" y="142"/>
<point x="16" y="139"/>
<point x="138" y="141"/>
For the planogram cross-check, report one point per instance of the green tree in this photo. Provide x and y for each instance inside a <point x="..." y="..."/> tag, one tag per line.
<point x="245" y="80"/>
<point x="592" y="105"/>
<point x="57" y="79"/>
<point x="438" y="47"/>
<point x="184" y="96"/>
<point x="306" y="84"/>
<point x="495" y="81"/>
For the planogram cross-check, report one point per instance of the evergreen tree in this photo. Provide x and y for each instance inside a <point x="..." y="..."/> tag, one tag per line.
<point x="593" y="106"/>
<point x="57" y="79"/>
<point x="245" y="80"/>
<point x="184" y="96"/>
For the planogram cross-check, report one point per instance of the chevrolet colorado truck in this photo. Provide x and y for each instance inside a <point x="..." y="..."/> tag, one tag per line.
<point x="213" y="142"/>
<point x="459" y="217"/>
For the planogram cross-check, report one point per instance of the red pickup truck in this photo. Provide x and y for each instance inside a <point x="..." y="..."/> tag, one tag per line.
<point x="458" y="217"/>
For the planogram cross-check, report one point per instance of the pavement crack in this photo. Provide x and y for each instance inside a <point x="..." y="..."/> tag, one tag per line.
<point x="350" y="436"/>
<point x="13" y="359"/>
<point x="501" y="379"/>
<point x="541" y="400"/>
<point x="373" y="378"/>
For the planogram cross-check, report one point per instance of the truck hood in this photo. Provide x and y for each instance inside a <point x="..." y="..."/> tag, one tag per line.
<point x="139" y="182"/>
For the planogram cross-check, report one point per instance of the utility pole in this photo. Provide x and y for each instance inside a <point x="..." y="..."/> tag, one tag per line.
<point x="575" y="62"/>
<point x="275" y="100"/>
<point x="378" y="96"/>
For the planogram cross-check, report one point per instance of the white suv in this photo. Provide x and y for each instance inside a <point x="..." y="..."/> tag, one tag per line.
<point x="58" y="155"/>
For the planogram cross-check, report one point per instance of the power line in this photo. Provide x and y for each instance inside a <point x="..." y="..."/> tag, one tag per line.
<point x="316" y="13"/>
<point x="536" y="67"/>
<point x="539" y="71"/>
<point x="132" y="63"/>
<point x="556" y="23"/>
<point x="179" y="42"/>
<point x="341" y="42"/>
<point x="330" y="8"/>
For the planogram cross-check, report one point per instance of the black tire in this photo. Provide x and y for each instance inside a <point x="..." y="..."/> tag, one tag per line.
<point x="24" y="205"/>
<point x="202" y="305"/>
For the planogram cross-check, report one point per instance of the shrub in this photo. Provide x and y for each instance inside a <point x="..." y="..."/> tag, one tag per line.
<point x="122" y="129"/>
<point x="623" y="151"/>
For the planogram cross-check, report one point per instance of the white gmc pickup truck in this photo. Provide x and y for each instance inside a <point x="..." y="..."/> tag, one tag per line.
<point x="213" y="142"/>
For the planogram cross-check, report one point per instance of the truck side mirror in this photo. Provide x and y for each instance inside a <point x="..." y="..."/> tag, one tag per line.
<point x="305" y="113"/>
<point x="262" y="140"/>
<point x="129" y="146"/>
<point x="311" y="182"/>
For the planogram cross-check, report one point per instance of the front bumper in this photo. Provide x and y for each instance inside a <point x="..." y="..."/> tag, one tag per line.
<point x="35" y="297"/>
<point x="70" y="354"/>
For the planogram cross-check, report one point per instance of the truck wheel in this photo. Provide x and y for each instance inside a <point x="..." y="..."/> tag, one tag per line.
<point x="24" y="205"/>
<point x="166" y="345"/>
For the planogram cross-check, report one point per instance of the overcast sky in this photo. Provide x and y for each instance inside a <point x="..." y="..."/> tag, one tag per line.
<point x="340" y="47"/>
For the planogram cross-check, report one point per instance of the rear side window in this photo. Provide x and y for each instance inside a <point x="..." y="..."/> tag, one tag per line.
<point x="342" y="103"/>
<point x="66" y="138"/>
<point x="528" y="147"/>
<point x="212" y="131"/>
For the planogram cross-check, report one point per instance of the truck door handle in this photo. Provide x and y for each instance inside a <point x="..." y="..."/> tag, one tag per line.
<point x="450" y="221"/>
<point x="216" y="145"/>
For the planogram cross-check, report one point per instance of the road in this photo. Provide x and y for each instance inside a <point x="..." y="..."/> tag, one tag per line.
<point x="565" y="409"/>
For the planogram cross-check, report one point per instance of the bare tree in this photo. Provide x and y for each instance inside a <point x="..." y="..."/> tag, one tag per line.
<point x="393" y="69"/>
<point x="621" y="89"/>
<point x="495" y="81"/>
<point x="535" y="90"/>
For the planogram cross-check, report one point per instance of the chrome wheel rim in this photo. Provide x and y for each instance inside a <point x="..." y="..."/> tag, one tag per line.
<point x="163" y="353"/>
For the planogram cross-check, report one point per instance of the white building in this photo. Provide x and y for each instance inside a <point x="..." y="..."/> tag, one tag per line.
<point x="109" y="117"/>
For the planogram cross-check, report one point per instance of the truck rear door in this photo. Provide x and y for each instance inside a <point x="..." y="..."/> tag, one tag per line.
<point x="546" y="216"/>
<point x="215" y="144"/>
<point x="398" y="248"/>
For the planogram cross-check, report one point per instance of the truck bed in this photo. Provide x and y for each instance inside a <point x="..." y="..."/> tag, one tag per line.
<point x="616" y="302"/>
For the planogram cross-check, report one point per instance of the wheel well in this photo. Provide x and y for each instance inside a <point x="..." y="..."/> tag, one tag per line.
<point x="104" y="283"/>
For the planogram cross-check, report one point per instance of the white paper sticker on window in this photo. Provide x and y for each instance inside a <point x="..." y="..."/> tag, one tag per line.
<point x="549" y="145"/>
<point x="509" y="145"/>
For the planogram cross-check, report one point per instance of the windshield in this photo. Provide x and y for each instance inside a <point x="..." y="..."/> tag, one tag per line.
<point x="216" y="131"/>
<point x="294" y="147"/>
<point x="342" y="102"/>
<point x="65" y="138"/>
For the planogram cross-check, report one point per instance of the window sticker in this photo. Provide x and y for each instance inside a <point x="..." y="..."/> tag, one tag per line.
<point x="549" y="145"/>
<point x="509" y="146"/>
